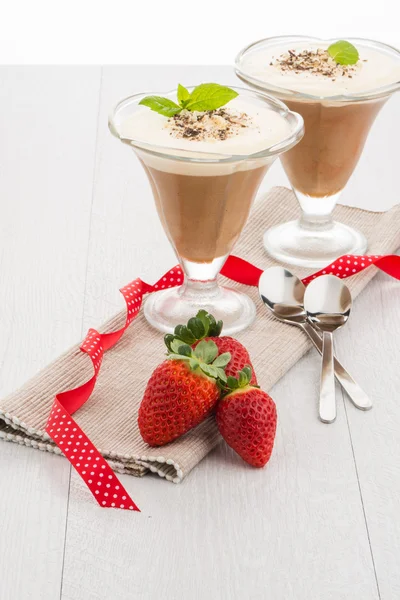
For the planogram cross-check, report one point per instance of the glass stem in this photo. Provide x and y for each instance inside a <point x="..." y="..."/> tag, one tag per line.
<point x="316" y="213"/>
<point x="201" y="278"/>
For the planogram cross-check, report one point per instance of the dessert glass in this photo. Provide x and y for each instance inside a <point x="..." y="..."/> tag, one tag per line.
<point x="203" y="201"/>
<point x="336" y="128"/>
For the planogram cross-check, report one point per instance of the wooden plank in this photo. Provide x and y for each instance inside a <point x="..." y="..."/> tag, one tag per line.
<point x="48" y="120"/>
<point x="371" y="349"/>
<point x="295" y="530"/>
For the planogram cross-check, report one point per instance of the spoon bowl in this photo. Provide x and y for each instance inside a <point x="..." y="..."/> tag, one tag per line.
<point x="283" y="293"/>
<point x="327" y="301"/>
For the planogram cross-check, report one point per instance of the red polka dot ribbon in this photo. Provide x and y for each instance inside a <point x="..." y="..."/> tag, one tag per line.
<point x="349" y="265"/>
<point x="62" y="427"/>
<point x="72" y="440"/>
<point x="244" y="272"/>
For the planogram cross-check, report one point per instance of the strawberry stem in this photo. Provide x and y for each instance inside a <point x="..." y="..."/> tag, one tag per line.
<point x="197" y="328"/>
<point x="204" y="357"/>
<point x="241" y="381"/>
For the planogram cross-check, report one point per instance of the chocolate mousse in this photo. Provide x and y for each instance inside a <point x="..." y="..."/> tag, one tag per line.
<point x="204" y="216"/>
<point x="203" y="200"/>
<point x="332" y="99"/>
<point x="323" y="162"/>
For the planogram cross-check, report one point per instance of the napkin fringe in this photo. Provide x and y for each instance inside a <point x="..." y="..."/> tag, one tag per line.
<point x="139" y="465"/>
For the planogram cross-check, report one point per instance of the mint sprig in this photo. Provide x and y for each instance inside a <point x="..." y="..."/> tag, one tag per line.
<point x="210" y="96"/>
<point x="164" y="106"/>
<point x="343" y="53"/>
<point x="183" y="95"/>
<point x="206" y="96"/>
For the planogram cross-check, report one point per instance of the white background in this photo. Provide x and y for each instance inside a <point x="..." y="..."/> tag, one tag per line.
<point x="322" y="521"/>
<point x="172" y="32"/>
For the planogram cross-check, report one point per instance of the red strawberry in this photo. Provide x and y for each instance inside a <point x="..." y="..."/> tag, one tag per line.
<point x="239" y="356"/>
<point x="204" y="326"/>
<point x="246" y="418"/>
<point x="181" y="392"/>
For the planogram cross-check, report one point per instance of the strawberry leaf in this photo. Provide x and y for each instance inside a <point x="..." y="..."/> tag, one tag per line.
<point x="175" y="345"/>
<point x="247" y="370"/>
<point x="204" y="318"/>
<point x="168" y="339"/>
<point x="194" y="364"/>
<point x="222" y="360"/>
<point x="174" y="356"/>
<point x="243" y="379"/>
<point x="232" y="383"/>
<point x="214" y="328"/>
<point x="197" y="328"/>
<point x="185" y="350"/>
<point x="218" y="328"/>
<point x="184" y="334"/>
<point x="221" y="374"/>
<point x="206" y="351"/>
<point x="209" y="370"/>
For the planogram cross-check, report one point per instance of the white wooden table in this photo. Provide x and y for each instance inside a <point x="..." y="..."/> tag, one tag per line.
<point x="321" y="522"/>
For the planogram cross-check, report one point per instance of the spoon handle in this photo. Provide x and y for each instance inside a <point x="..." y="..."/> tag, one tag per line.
<point x="327" y="400"/>
<point x="353" y="390"/>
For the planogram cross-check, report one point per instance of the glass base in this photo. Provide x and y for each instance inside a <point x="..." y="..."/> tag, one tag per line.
<point x="296" y="245"/>
<point x="164" y="310"/>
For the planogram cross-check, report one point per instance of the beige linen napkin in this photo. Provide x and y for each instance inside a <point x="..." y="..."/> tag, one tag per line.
<point x="109" y="417"/>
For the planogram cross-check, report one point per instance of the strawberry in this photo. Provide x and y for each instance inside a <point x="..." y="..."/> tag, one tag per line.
<point x="204" y="326"/>
<point x="239" y="356"/>
<point x="246" y="418"/>
<point x="181" y="392"/>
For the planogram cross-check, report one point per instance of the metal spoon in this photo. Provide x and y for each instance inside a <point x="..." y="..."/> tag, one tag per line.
<point x="328" y="303"/>
<point x="283" y="293"/>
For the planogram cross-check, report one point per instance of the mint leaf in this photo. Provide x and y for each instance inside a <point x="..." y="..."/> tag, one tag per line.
<point x="344" y="53"/>
<point x="210" y="96"/>
<point x="163" y="106"/>
<point x="183" y="95"/>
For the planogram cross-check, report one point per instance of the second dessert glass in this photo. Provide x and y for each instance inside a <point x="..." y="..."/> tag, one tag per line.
<point x="319" y="168"/>
<point x="203" y="201"/>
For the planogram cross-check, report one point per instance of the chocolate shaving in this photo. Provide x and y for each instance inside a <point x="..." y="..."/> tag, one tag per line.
<point x="315" y="62"/>
<point x="219" y="124"/>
